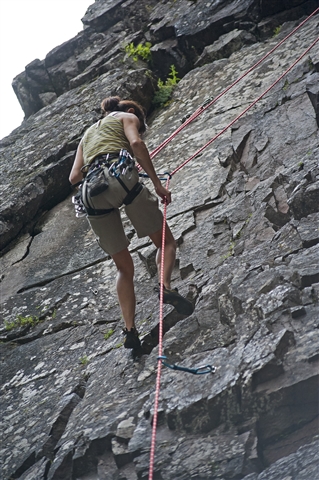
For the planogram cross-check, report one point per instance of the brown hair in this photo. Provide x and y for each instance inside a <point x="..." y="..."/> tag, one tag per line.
<point x="116" y="104"/>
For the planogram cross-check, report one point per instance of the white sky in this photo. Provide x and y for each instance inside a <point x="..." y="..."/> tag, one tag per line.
<point x="29" y="29"/>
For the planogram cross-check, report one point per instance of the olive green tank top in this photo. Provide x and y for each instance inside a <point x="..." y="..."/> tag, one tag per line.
<point x="105" y="136"/>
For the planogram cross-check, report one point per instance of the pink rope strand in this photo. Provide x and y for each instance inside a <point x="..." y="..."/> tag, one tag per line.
<point x="203" y="108"/>
<point x="160" y="343"/>
<point x="244" y="111"/>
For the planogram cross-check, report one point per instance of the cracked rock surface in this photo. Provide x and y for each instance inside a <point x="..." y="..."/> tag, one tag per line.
<point x="74" y="403"/>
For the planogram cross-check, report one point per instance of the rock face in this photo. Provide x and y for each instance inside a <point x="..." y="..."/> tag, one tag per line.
<point x="75" y="404"/>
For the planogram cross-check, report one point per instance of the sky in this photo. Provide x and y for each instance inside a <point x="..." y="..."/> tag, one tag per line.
<point x="29" y="29"/>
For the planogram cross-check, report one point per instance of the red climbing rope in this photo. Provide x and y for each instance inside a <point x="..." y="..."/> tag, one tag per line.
<point x="160" y="344"/>
<point x="204" y="107"/>
<point x="244" y="111"/>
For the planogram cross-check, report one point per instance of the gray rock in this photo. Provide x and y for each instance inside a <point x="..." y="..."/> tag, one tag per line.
<point x="75" y="403"/>
<point x="308" y="230"/>
<point x="125" y="429"/>
<point x="225" y="46"/>
<point x="306" y="458"/>
<point x="305" y="267"/>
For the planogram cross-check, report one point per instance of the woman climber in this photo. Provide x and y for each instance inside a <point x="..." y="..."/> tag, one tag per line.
<point x="104" y="160"/>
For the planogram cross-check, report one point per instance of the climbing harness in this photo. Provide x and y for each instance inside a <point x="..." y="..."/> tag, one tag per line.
<point x="162" y="359"/>
<point x="96" y="182"/>
<point x="82" y="210"/>
<point x="98" y="162"/>
<point x="124" y="167"/>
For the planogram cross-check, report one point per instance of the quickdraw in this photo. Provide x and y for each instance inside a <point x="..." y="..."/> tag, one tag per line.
<point x="202" y="370"/>
<point x="124" y="165"/>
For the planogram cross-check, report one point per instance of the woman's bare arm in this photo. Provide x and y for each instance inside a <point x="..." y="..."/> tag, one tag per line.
<point x="76" y="175"/>
<point x="131" y="125"/>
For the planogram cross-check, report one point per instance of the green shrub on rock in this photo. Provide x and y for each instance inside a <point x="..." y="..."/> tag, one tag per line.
<point x="165" y="89"/>
<point x="21" y="321"/>
<point x="142" y="51"/>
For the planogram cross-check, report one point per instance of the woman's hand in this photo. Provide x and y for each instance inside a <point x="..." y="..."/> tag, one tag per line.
<point x="164" y="194"/>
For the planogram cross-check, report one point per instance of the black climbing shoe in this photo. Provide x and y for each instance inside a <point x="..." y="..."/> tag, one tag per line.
<point x="131" y="338"/>
<point x="181" y="304"/>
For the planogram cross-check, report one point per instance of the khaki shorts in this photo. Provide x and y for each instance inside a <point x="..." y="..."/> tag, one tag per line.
<point x="143" y="212"/>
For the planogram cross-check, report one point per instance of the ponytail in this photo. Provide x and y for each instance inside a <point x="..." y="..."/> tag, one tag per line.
<point x="115" y="104"/>
<point x="111" y="104"/>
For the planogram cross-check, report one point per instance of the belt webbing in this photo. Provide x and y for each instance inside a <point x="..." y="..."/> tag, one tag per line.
<point x="131" y="194"/>
<point x="138" y="187"/>
<point x="94" y="211"/>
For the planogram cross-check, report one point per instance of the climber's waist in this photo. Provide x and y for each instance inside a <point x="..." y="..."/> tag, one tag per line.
<point x="106" y="159"/>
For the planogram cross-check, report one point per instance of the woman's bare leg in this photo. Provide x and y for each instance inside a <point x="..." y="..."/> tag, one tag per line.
<point x="172" y="297"/>
<point x="125" y="286"/>
<point x="169" y="254"/>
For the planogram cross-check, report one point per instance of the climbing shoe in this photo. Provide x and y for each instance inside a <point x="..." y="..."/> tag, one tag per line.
<point x="131" y="338"/>
<point x="181" y="304"/>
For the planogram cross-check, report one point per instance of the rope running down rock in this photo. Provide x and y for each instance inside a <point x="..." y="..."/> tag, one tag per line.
<point x="160" y="344"/>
